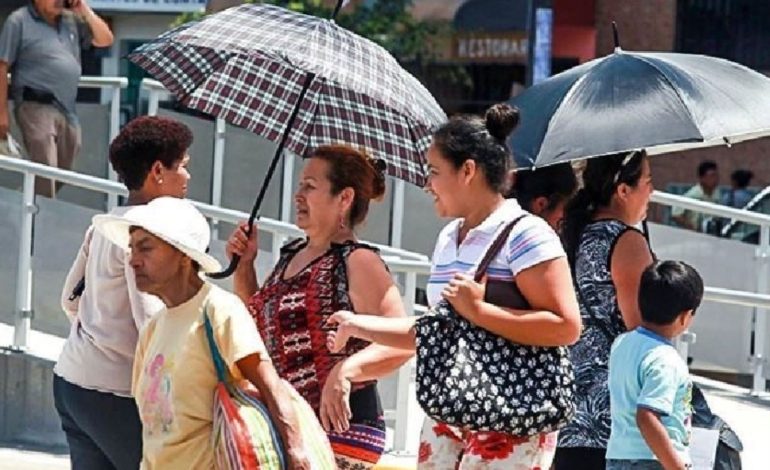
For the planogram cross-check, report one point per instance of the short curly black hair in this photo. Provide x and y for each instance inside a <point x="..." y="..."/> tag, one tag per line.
<point x="142" y="142"/>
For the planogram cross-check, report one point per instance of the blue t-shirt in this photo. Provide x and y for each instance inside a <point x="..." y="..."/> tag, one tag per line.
<point x="646" y="371"/>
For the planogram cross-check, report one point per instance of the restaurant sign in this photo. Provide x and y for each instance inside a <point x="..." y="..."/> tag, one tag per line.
<point x="507" y="47"/>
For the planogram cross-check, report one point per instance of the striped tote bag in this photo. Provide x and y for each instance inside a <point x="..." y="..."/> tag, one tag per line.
<point x="244" y="436"/>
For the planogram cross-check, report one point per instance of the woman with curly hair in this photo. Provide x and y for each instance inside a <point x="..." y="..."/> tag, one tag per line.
<point x="92" y="379"/>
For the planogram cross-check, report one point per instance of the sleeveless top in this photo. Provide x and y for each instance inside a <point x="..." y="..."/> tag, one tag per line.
<point x="602" y="323"/>
<point x="291" y="317"/>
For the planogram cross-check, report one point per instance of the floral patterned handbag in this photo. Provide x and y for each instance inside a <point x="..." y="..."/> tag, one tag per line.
<point x="474" y="379"/>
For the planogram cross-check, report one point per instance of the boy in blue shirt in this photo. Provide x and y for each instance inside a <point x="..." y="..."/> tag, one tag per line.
<point x="650" y="386"/>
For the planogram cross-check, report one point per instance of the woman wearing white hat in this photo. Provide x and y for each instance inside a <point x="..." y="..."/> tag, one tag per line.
<point x="174" y="377"/>
<point x="92" y="378"/>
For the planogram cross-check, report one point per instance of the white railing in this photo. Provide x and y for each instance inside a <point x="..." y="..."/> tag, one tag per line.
<point x="401" y="262"/>
<point x="114" y="85"/>
<point x="409" y="266"/>
<point x="759" y="300"/>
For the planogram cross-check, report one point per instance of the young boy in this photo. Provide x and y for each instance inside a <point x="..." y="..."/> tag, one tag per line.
<point x="650" y="387"/>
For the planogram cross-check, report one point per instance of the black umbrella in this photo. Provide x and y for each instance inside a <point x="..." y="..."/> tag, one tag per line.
<point x="660" y="102"/>
<point x="298" y="80"/>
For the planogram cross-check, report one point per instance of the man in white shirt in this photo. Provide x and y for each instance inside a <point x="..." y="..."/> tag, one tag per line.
<point x="705" y="190"/>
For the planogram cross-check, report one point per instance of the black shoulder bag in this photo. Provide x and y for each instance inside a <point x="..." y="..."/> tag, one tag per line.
<point x="474" y="379"/>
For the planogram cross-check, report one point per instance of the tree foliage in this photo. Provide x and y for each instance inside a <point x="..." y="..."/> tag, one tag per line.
<point x="386" y="22"/>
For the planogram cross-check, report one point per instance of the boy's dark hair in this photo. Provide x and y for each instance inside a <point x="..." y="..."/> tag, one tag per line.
<point x="667" y="289"/>
<point x="706" y="166"/>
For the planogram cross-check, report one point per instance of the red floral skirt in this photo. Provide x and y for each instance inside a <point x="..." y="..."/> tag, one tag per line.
<point x="445" y="447"/>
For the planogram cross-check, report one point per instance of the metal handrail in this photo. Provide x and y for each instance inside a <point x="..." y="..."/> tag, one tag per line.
<point x="415" y="261"/>
<point x="710" y="208"/>
<point x="409" y="268"/>
<point x="102" y="82"/>
<point x="762" y="259"/>
<point x="66" y="176"/>
<point x="390" y="254"/>
<point x="736" y="297"/>
<point x="151" y="84"/>
<point x="89" y="81"/>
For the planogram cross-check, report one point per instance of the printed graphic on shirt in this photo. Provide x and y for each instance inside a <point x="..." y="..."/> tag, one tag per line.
<point x="687" y="406"/>
<point x="157" y="408"/>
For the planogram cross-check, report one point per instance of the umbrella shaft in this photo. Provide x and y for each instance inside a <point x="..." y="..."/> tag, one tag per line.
<point x="278" y="151"/>
<point x="337" y="9"/>
<point x="270" y="171"/>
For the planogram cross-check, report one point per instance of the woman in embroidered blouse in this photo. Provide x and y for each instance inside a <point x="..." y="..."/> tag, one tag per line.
<point x="608" y="256"/>
<point x="327" y="271"/>
<point x="468" y="163"/>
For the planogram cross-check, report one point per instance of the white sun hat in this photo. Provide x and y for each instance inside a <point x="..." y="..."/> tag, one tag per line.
<point x="173" y="220"/>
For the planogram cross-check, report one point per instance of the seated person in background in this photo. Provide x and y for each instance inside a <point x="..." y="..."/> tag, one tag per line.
<point x="650" y="386"/>
<point x="739" y="195"/>
<point x="545" y="191"/>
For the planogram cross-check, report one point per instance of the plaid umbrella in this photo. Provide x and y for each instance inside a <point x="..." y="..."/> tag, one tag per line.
<point x="250" y="64"/>
<point x="300" y="80"/>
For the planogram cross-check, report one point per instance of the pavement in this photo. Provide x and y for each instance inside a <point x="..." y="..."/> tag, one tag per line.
<point x="748" y="415"/>
<point x="20" y="459"/>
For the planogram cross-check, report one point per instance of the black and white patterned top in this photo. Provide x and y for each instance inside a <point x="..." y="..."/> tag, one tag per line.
<point x="590" y="355"/>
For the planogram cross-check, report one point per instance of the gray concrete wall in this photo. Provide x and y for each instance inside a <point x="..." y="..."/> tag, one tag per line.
<point x="27" y="413"/>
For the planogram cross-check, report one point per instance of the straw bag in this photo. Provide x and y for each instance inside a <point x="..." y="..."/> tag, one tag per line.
<point x="244" y="435"/>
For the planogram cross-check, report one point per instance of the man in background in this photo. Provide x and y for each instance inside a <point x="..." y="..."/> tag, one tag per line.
<point x="705" y="190"/>
<point x="40" y="46"/>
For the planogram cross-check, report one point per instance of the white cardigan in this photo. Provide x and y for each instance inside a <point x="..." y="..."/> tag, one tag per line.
<point x="106" y="318"/>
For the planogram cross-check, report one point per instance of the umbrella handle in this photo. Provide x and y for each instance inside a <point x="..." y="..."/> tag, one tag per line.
<point x="309" y="76"/>
<point x="615" y="36"/>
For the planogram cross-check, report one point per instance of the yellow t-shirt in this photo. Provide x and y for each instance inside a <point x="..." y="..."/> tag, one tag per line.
<point x="174" y="376"/>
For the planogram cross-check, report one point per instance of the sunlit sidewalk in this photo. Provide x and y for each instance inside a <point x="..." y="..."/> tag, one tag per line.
<point x="18" y="459"/>
<point x="748" y="415"/>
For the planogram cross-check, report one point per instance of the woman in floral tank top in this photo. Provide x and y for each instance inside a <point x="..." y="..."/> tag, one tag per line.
<point x="327" y="271"/>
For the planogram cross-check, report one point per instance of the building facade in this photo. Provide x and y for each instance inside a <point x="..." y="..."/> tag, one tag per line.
<point x="485" y="56"/>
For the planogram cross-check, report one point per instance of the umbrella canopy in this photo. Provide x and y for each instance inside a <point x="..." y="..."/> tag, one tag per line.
<point x="660" y="102"/>
<point x="252" y="65"/>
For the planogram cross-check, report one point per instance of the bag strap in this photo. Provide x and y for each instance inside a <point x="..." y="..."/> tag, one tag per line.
<point x="495" y="248"/>
<point x="219" y="363"/>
